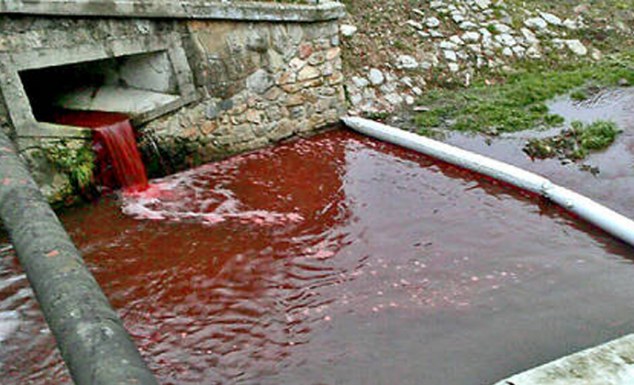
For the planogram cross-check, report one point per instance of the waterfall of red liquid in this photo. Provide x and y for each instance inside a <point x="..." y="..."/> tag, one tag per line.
<point x="118" y="161"/>
<point x="121" y="152"/>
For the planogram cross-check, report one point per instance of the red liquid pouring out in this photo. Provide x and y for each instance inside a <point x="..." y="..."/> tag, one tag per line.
<point x="121" y="150"/>
<point x="119" y="162"/>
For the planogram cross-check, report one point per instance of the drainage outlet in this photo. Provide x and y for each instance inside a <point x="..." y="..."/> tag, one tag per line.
<point x="142" y="81"/>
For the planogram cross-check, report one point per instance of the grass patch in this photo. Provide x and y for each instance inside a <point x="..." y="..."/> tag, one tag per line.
<point x="518" y="101"/>
<point x="579" y="95"/>
<point x="576" y="142"/>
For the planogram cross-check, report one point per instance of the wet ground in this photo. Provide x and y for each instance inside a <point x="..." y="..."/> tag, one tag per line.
<point x="341" y="260"/>
<point x="613" y="185"/>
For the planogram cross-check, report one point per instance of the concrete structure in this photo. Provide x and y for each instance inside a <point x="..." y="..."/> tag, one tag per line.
<point x="608" y="364"/>
<point x="90" y="335"/>
<point x="201" y="80"/>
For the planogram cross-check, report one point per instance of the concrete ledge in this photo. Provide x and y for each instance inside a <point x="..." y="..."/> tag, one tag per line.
<point x="608" y="364"/>
<point x="176" y="9"/>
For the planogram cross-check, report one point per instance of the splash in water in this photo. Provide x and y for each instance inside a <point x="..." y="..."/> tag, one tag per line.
<point x="198" y="196"/>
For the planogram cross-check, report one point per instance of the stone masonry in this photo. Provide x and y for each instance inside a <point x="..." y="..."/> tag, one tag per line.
<point x="261" y="74"/>
<point x="262" y="82"/>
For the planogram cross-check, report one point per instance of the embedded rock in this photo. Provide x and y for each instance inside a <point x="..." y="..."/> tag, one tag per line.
<point x="536" y="23"/>
<point x="432" y="22"/>
<point x="406" y="62"/>
<point x="348" y="30"/>
<point x="576" y="47"/>
<point x="550" y="18"/>
<point x="376" y="77"/>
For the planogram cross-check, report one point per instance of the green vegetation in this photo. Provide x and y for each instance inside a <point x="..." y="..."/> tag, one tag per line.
<point x="576" y="142"/>
<point x="579" y="95"/>
<point x="283" y="1"/>
<point x="77" y="163"/>
<point x="517" y="102"/>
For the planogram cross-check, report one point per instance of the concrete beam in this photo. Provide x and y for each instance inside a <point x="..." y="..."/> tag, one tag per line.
<point x="183" y="9"/>
<point x="608" y="364"/>
<point x="90" y="335"/>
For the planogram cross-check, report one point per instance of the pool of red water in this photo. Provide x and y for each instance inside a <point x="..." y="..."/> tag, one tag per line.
<point x="334" y="260"/>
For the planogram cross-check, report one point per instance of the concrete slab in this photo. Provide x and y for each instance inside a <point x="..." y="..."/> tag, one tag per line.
<point x="183" y="9"/>
<point x="608" y="364"/>
<point x="115" y="99"/>
<point x="19" y="106"/>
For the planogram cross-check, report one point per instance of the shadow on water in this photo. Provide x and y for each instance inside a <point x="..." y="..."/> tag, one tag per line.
<point x="335" y="260"/>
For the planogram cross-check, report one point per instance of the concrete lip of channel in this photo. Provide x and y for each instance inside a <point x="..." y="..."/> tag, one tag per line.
<point x="608" y="364"/>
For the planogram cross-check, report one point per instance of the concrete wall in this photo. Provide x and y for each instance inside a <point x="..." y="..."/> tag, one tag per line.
<point x="258" y="73"/>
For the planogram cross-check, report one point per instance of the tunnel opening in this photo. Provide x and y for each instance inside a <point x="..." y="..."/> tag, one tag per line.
<point x="131" y="85"/>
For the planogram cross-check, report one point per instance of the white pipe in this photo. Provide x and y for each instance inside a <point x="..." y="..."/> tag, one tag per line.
<point x="599" y="215"/>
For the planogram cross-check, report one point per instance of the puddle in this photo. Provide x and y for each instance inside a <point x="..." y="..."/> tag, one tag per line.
<point x="378" y="266"/>
<point x="615" y="164"/>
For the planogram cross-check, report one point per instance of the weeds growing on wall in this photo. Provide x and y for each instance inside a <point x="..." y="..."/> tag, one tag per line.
<point x="77" y="163"/>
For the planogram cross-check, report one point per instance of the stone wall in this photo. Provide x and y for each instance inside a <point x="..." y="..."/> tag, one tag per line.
<point x="262" y="82"/>
<point x="256" y="81"/>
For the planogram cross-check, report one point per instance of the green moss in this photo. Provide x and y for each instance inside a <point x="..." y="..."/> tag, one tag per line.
<point x="379" y="115"/>
<point x="77" y="163"/>
<point x="579" y="95"/>
<point x="575" y="142"/>
<point x="598" y="135"/>
<point x="518" y="101"/>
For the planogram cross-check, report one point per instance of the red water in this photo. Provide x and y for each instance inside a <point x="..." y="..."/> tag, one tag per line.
<point x="334" y="260"/>
<point x="119" y="162"/>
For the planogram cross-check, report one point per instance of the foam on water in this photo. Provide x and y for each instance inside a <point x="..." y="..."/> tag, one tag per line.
<point x="198" y="196"/>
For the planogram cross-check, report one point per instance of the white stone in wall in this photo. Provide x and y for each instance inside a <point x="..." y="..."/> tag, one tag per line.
<point x="534" y="52"/>
<point x="348" y="30"/>
<point x="506" y="40"/>
<point x="483" y="4"/>
<point x="414" y="24"/>
<point x="394" y="99"/>
<point x="407" y="62"/>
<point x="450" y="55"/>
<point x="376" y="77"/>
<point x="550" y="18"/>
<point x="456" y="40"/>
<point x="360" y="82"/>
<point x="260" y="81"/>
<point x="570" y="24"/>
<point x="448" y="45"/>
<point x="576" y="47"/>
<point x="468" y="26"/>
<point x="471" y="36"/>
<point x="536" y="23"/>
<point x="530" y="37"/>
<point x="502" y="28"/>
<point x="432" y="22"/>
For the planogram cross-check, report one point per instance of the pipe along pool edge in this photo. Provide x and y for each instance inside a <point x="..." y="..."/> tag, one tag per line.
<point x="608" y="220"/>
<point x="90" y="336"/>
